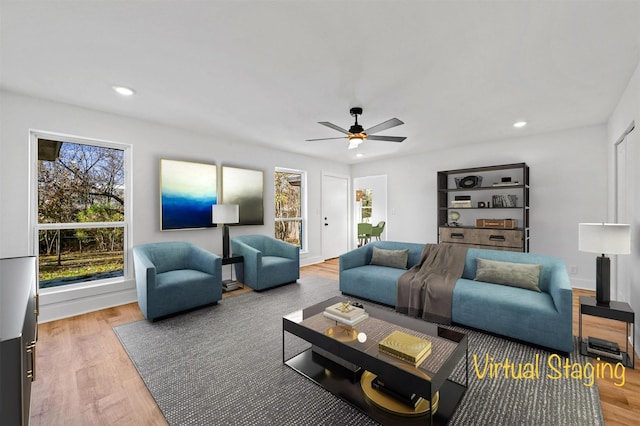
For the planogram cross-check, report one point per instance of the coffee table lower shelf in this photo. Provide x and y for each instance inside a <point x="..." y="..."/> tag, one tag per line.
<point x="344" y="384"/>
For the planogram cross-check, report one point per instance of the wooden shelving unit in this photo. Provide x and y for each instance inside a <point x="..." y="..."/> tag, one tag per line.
<point x="516" y="239"/>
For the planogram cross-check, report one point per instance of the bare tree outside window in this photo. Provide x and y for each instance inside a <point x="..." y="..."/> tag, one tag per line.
<point x="80" y="212"/>
<point x="289" y="187"/>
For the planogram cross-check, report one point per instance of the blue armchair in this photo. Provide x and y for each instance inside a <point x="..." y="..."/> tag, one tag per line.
<point x="268" y="262"/>
<point x="175" y="276"/>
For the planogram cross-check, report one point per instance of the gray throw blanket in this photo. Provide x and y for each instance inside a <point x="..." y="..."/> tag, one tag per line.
<point x="426" y="289"/>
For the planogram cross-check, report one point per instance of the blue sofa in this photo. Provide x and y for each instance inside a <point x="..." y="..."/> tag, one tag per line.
<point x="268" y="262"/>
<point x="543" y="318"/>
<point x="175" y="276"/>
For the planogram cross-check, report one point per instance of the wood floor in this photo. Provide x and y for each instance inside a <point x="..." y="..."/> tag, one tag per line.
<point x="84" y="376"/>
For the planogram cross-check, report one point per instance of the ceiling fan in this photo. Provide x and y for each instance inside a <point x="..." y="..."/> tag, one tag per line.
<point x="357" y="134"/>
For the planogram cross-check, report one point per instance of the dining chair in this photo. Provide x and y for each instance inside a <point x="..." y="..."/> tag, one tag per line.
<point x="364" y="233"/>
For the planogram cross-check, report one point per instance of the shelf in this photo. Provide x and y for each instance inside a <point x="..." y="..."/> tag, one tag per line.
<point x="485" y="188"/>
<point x="490" y="190"/>
<point x="486" y="169"/>
<point x="475" y="227"/>
<point x="482" y="208"/>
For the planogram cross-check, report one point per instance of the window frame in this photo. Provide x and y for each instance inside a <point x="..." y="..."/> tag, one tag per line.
<point x="303" y="205"/>
<point x="35" y="227"/>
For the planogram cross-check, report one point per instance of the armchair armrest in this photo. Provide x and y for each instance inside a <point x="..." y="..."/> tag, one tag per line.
<point x="281" y="248"/>
<point x="205" y="261"/>
<point x="146" y="270"/>
<point x="560" y="289"/>
<point x="247" y="271"/>
<point x="354" y="258"/>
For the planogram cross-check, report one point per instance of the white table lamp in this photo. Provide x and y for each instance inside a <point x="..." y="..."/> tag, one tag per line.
<point x="604" y="238"/>
<point x="224" y="214"/>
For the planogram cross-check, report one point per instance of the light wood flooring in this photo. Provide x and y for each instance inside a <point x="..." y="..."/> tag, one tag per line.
<point x="84" y="376"/>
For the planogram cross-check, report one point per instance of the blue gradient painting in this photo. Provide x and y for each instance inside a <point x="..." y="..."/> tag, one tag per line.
<point x="187" y="192"/>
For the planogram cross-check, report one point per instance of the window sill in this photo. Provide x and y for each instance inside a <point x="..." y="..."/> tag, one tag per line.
<point x="61" y="293"/>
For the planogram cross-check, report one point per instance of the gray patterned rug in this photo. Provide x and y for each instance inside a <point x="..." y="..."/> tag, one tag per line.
<point x="222" y="365"/>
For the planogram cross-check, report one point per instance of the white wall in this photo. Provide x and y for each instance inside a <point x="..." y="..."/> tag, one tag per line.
<point x="151" y="142"/>
<point x="568" y="180"/>
<point x="627" y="111"/>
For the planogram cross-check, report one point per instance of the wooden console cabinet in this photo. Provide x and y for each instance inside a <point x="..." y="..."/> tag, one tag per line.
<point x="18" y="335"/>
<point x="494" y="193"/>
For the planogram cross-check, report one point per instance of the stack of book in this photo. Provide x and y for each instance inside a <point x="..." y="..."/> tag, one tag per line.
<point x="605" y="348"/>
<point x="516" y="183"/>
<point x="461" y="204"/>
<point x="504" y="201"/>
<point x="412" y="349"/>
<point x="346" y="313"/>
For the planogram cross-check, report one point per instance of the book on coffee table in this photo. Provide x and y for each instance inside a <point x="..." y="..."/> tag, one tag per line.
<point x="406" y="347"/>
<point x="346" y="313"/>
<point x="344" y="310"/>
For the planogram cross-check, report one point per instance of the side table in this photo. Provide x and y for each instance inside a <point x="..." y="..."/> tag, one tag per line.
<point x="230" y="285"/>
<point x="618" y="311"/>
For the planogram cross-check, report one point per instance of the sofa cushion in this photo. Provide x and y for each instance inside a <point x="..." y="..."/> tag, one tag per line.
<point x="520" y="275"/>
<point x="390" y="258"/>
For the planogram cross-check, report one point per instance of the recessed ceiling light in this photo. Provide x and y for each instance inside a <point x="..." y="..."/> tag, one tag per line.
<point x="359" y="155"/>
<point x="124" y="91"/>
<point x="519" y="124"/>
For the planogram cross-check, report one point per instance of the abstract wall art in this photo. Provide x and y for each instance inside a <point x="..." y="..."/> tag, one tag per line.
<point x="187" y="192"/>
<point x="244" y="187"/>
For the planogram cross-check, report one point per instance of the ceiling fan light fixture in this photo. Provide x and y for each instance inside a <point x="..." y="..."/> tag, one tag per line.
<point x="357" y="134"/>
<point x="356" y="139"/>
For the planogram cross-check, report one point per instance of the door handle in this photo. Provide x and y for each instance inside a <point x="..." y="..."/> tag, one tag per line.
<point x="326" y="224"/>
<point x="31" y="350"/>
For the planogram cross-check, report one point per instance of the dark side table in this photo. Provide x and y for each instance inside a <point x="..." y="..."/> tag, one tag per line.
<point x="230" y="285"/>
<point x="618" y="311"/>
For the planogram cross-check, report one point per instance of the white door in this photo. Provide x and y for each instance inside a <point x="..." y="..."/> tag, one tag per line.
<point x="335" y="215"/>
<point x="627" y="267"/>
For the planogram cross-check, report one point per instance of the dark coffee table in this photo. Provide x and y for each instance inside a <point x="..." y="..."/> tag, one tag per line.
<point x="343" y="361"/>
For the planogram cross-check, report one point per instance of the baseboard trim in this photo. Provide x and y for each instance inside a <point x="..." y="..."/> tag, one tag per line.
<point x="55" y="308"/>
<point x="311" y="260"/>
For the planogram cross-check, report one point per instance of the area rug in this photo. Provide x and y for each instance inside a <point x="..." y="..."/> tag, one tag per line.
<point x="222" y="365"/>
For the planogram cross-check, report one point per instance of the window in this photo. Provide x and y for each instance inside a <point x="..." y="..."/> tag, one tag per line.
<point x="365" y="199"/>
<point x="80" y="225"/>
<point x="290" y="215"/>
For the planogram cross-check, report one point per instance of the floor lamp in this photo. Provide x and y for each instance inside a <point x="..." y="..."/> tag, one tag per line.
<point x="609" y="238"/>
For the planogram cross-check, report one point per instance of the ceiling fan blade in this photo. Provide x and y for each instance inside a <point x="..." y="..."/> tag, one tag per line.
<point x="325" y="139"/>
<point x="392" y="122"/>
<point x="333" y="126"/>
<point x="386" y="138"/>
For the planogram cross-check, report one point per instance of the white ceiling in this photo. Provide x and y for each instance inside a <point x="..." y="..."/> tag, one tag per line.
<point x="265" y="72"/>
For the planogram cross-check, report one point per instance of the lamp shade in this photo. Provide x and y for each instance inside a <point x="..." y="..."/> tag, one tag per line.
<point x="605" y="238"/>
<point x="225" y="213"/>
